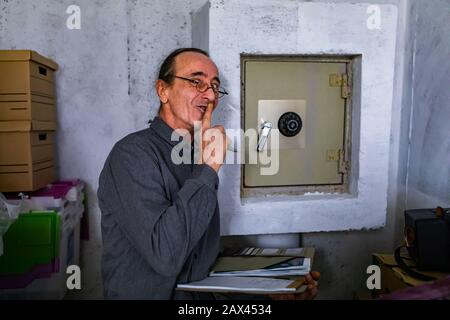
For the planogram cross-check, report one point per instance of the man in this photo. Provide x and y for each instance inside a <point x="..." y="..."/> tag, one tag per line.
<point x="160" y="220"/>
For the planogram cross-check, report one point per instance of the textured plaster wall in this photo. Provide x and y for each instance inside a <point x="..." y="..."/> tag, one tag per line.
<point x="343" y="257"/>
<point x="270" y="27"/>
<point x="420" y="103"/>
<point x="429" y="159"/>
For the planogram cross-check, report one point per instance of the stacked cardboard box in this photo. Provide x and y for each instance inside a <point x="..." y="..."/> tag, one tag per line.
<point x="27" y="120"/>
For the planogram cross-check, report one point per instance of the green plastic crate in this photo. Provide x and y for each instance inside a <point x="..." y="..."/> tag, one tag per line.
<point x="33" y="239"/>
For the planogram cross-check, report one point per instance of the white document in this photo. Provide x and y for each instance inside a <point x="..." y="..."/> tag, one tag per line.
<point x="262" y="273"/>
<point x="241" y="284"/>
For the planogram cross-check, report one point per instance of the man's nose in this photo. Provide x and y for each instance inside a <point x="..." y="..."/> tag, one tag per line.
<point x="209" y="94"/>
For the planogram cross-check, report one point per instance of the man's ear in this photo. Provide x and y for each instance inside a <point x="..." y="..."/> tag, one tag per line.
<point x="161" y="90"/>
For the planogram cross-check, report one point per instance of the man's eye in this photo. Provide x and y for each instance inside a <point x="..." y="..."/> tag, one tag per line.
<point x="195" y="82"/>
<point x="215" y="86"/>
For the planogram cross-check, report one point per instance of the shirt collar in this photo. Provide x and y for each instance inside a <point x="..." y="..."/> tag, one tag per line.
<point x="163" y="130"/>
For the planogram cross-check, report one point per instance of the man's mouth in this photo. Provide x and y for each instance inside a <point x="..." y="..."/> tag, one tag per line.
<point x="202" y="108"/>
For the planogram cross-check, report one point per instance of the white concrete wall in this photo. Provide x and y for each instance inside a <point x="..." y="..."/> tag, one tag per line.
<point x="343" y="257"/>
<point x="429" y="159"/>
<point x="271" y="27"/>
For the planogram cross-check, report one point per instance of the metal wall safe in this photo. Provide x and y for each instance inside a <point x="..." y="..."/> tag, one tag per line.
<point x="304" y="102"/>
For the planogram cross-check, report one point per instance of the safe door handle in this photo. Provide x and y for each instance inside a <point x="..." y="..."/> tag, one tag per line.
<point x="265" y="130"/>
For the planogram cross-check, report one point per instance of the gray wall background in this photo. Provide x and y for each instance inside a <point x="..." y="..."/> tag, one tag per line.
<point x="105" y="91"/>
<point x="429" y="159"/>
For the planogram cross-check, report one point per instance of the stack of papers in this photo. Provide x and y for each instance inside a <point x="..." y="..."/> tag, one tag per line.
<point x="257" y="271"/>
<point x="264" y="262"/>
<point x="262" y="267"/>
<point x="270" y="252"/>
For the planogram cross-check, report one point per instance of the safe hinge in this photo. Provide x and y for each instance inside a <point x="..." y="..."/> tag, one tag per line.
<point x="341" y="80"/>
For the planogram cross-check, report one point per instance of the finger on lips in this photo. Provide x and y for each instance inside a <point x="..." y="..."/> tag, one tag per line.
<point x="206" y="121"/>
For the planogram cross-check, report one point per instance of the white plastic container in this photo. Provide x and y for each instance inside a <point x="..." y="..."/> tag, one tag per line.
<point x="55" y="287"/>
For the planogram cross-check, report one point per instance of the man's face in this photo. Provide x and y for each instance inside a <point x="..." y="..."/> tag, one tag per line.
<point x="182" y="102"/>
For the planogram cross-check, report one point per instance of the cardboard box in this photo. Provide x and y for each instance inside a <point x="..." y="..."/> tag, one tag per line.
<point x="26" y="86"/>
<point x="38" y="108"/>
<point x="26" y="155"/>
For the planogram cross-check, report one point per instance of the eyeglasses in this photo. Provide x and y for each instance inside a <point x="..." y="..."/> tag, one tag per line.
<point x="202" y="86"/>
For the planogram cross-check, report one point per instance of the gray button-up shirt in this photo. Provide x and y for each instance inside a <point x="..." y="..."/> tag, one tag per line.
<point x="160" y="221"/>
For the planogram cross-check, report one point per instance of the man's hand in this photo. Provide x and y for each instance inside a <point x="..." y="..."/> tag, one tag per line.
<point x="214" y="141"/>
<point x="309" y="294"/>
